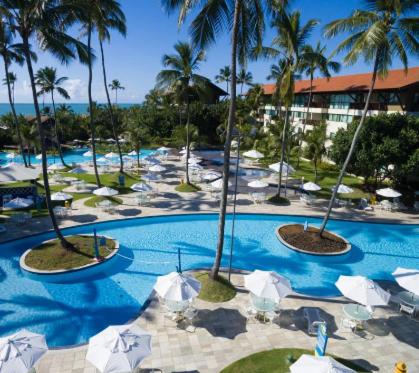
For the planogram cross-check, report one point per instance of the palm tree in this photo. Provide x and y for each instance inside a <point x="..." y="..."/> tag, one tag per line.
<point x="244" y="77"/>
<point x="182" y="79"/>
<point x="48" y="82"/>
<point x="288" y="43"/>
<point x="11" y="53"/>
<point x="224" y="76"/>
<point x="312" y="60"/>
<point x="30" y="137"/>
<point x="45" y="21"/>
<point x="246" y="21"/>
<point x="316" y="145"/>
<point x="116" y="86"/>
<point x="378" y="34"/>
<point x="276" y="74"/>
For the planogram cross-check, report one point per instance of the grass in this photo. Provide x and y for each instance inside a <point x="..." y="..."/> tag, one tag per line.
<point x="187" y="188"/>
<point x="91" y="202"/>
<point x="215" y="291"/>
<point x="52" y="256"/>
<point x="275" y="361"/>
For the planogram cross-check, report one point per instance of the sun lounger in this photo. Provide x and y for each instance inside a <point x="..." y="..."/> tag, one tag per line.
<point x="364" y="206"/>
<point x="386" y="205"/>
<point x="307" y="199"/>
<point x="312" y="315"/>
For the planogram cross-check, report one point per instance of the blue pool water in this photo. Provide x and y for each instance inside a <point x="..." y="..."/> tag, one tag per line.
<point x="70" y="156"/>
<point x="69" y="313"/>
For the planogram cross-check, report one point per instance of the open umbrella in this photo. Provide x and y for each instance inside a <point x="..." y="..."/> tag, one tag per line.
<point x="211" y="175"/>
<point x="89" y="153"/>
<point x="39" y="156"/>
<point x="389" y="193"/>
<point x="151" y="177"/>
<point x="78" y="171"/>
<point x="17" y="172"/>
<point x="105" y="192"/>
<point x="163" y="149"/>
<point x="111" y="155"/>
<point x="267" y="284"/>
<point x="19" y="203"/>
<point x="141" y="187"/>
<point x="10" y="155"/>
<point x="56" y="167"/>
<point x="110" y="140"/>
<point x="362" y="290"/>
<point x="157" y="168"/>
<point x="257" y="184"/>
<point x="150" y="160"/>
<point x="61" y="196"/>
<point x="253" y="154"/>
<point x="318" y="364"/>
<point x="286" y="168"/>
<point x="408" y="279"/>
<point x="196" y="166"/>
<point x="218" y="184"/>
<point x="102" y="161"/>
<point x="119" y="348"/>
<point x="20" y="351"/>
<point x="343" y="189"/>
<point x="177" y="287"/>
<point x="133" y="153"/>
<point x="311" y="187"/>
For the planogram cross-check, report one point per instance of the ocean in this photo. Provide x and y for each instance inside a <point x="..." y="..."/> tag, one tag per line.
<point x="28" y="109"/>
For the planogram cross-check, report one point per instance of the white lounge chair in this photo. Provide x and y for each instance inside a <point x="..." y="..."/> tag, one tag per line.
<point x="364" y="206"/>
<point x="386" y="205"/>
<point x="307" y="199"/>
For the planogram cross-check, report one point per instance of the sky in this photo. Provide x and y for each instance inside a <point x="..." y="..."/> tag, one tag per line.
<point x="136" y="60"/>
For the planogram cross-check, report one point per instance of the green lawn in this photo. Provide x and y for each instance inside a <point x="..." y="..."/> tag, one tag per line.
<point x="215" y="291"/>
<point x="275" y="361"/>
<point x="187" y="188"/>
<point x="91" y="202"/>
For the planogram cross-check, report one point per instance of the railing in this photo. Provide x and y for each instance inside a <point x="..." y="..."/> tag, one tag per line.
<point x="371" y="106"/>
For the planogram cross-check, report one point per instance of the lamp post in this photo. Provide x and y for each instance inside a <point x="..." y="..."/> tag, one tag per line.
<point x="236" y="133"/>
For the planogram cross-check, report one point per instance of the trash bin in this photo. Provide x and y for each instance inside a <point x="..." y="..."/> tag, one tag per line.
<point x="121" y="179"/>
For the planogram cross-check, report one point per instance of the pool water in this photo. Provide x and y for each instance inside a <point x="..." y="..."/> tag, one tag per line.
<point x="70" y="312"/>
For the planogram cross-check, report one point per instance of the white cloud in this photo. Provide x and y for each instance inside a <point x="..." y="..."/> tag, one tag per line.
<point x="76" y="88"/>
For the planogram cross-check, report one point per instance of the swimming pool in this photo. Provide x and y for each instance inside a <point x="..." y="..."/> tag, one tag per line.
<point x="70" y="156"/>
<point x="69" y="313"/>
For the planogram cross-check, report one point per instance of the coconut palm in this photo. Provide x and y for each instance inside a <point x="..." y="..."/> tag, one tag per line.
<point x="383" y="31"/>
<point x="312" y="60"/>
<point x="224" y="76"/>
<point x="48" y="82"/>
<point x="46" y="22"/>
<point x="11" y="53"/>
<point x="30" y="138"/>
<point x="245" y="20"/>
<point x="244" y="78"/>
<point x="276" y="74"/>
<point x="316" y="146"/>
<point x="183" y="81"/>
<point x="116" y="86"/>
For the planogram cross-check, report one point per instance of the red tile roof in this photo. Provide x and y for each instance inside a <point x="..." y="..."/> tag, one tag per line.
<point x="357" y="82"/>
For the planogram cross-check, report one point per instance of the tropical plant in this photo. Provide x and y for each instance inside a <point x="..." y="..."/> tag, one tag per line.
<point x="45" y="21"/>
<point x="384" y="30"/>
<point x="276" y="74"/>
<point x="30" y="137"/>
<point x="183" y="81"/>
<point x="48" y="82"/>
<point x="244" y="78"/>
<point x="316" y="145"/>
<point x="224" y="76"/>
<point x="116" y="86"/>
<point x="312" y="60"/>
<point x="245" y="20"/>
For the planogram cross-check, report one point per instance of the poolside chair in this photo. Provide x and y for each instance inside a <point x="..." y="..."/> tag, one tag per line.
<point x="307" y="199"/>
<point x="364" y="206"/>
<point x="399" y="205"/>
<point x="386" y="205"/>
<point x="407" y="309"/>
<point x="7" y="198"/>
<point x="312" y="315"/>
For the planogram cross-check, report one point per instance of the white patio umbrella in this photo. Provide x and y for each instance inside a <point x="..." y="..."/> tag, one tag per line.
<point x="110" y="140"/>
<point x="105" y="192"/>
<point x="211" y="175"/>
<point x="151" y="177"/>
<point x="157" y="168"/>
<point x="193" y="161"/>
<point x="257" y="184"/>
<point x="286" y="168"/>
<point x="343" y="189"/>
<point x="407" y="278"/>
<point x="56" y="167"/>
<point x="267" y="284"/>
<point x="19" y="203"/>
<point x="102" y="160"/>
<point x="78" y="171"/>
<point x="163" y="149"/>
<point x="20" y="351"/>
<point x="362" y="290"/>
<point x="61" y="196"/>
<point x="311" y="187"/>
<point x="389" y="193"/>
<point x="234" y="144"/>
<point x="89" y="153"/>
<point x="39" y="156"/>
<point x="177" y="287"/>
<point x="133" y="153"/>
<point x="141" y="187"/>
<point x="218" y="184"/>
<point x="10" y="155"/>
<point x="253" y="154"/>
<point x="111" y="155"/>
<point x="318" y="364"/>
<point x="196" y="166"/>
<point x="122" y="141"/>
<point x="119" y="348"/>
<point x="17" y="172"/>
<point x="150" y="160"/>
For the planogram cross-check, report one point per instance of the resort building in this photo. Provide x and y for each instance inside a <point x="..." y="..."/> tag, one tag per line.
<point x="341" y="99"/>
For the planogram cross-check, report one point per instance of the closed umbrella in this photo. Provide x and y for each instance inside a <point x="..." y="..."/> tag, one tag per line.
<point x="177" y="287"/>
<point x="318" y="364"/>
<point x="20" y="351"/>
<point x="61" y="196"/>
<point x="218" y="184"/>
<point x="343" y="189"/>
<point x="389" y="193"/>
<point x="141" y="187"/>
<point x="111" y="155"/>
<point x="78" y="171"/>
<point x="88" y="154"/>
<point x="253" y="154"/>
<point x="311" y="187"/>
<point x="119" y="348"/>
<point x="157" y="168"/>
<point x="408" y="279"/>
<point x="105" y="192"/>
<point x="257" y="184"/>
<point x="19" y="203"/>
<point x="267" y="284"/>
<point x="286" y="168"/>
<point x="362" y="290"/>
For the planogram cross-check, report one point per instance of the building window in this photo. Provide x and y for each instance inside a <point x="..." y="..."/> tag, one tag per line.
<point x="340" y="118"/>
<point x="300" y="100"/>
<point x="342" y="101"/>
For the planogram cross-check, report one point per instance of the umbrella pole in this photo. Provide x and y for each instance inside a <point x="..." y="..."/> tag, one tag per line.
<point x="179" y="266"/>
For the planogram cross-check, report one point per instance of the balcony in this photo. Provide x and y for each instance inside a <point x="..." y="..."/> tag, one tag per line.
<point x="372" y="106"/>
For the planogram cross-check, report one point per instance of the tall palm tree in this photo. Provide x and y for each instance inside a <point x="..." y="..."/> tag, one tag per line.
<point x="48" y="82"/>
<point x="182" y="79"/>
<point x="276" y="74"/>
<point x="30" y="138"/>
<point x="382" y="31"/>
<point x="11" y="53"/>
<point x="290" y="38"/>
<point x="312" y="60"/>
<point x="245" y="20"/>
<point x="116" y="86"/>
<point x="316" y="145"/>
<point x="224" y="76"/>
<point x="244" y="78"/>
<point x="46" y="22"/>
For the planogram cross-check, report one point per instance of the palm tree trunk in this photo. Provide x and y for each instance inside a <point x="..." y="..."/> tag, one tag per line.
<point x="89" y="91"/>
<point x="227" y="85"/>
<point x="12" y="106"/>
<point x="230" y="125"/>
<point x="138" y="158"/>
<point x="282" y="151"/>
<point x="351" y="149"/>
<point x="300" y="142"/>
<point x="111" y="114"/>
<point x="187" y="140"/>
<point x="26" y="51"/>
<point x="57" y="137"/>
